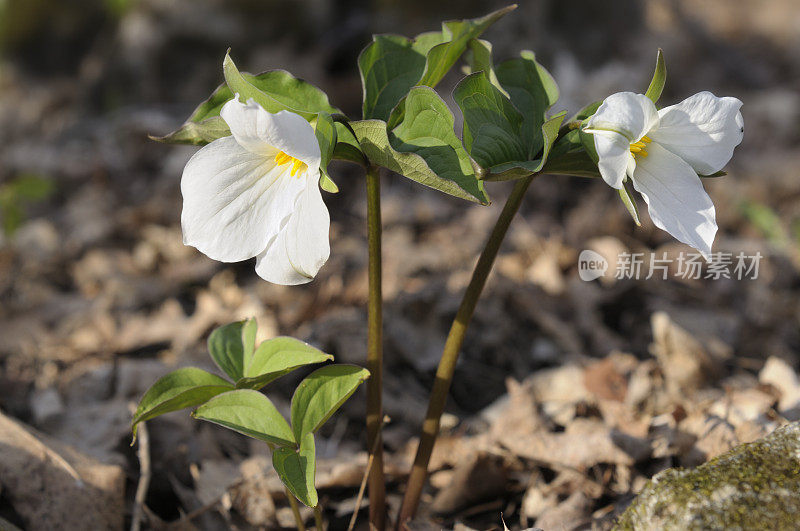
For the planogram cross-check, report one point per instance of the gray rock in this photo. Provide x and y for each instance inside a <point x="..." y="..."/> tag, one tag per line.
<point x="754" y="486"/>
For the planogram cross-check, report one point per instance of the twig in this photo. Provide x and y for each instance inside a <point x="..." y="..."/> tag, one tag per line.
<point x="143" y="453"/>
<point x="363" y="487"/>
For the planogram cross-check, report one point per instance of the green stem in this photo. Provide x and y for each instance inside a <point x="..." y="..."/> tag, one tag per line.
<point x="377" y="486"/>
<point x="452" y="347"/>
<point x="318" y="518"/>
<point x="298" y="520"/>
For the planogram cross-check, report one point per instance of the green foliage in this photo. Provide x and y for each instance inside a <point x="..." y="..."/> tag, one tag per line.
<point x="16" y="194"/>
<point x="506" y="129"/>
<point x="321" y="394"/>
<point x="187" y="387"/>
<point x="276" y="357"/>
<point x="391" y="64"/>
<point x="325" y="130"/>
<point x="250" y="413"/>
<point x="656" y="86"/>
<point x="239" y="406"/>
<point x="626" y="194"/>
<point x="297" y="469"/>
<point x="275" y="90"/>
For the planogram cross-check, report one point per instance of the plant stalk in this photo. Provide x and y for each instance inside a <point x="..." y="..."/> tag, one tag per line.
<point x="452" y="348"/>
<point x="377" y="486"/>
<point x="318" y="522"/>
<point x="298" y="519"/>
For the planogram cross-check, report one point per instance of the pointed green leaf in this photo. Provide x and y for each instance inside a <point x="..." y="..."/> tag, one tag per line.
<point x="226" y="348"/>
<point x="321" y="394"/>
<point x="284" y="90"/>
<point x="250" y="413"/>
<point x="491" y="123"/>
<point x="391" y="64"/>
<point x="626" y="194"/>
<point x="374" y="141"/>
<point x="275" y="357"/>
<point x="532" y="91"/>
<point x="186" y="387"/>
<point x="586" y="112"/>
<point x="479" y="58"/>
<point x="325" y="130"/>
<point x="659" y="78"/>
<point x="297" y="470"/>
<point x="389" y="67"/>
<point x="458" y="33"/>
<point x="277" y="90"/>
<point x="196" y="134"/>
<point x="520" y="169"/>
<point x="568" y="157"/>
<point x="719" y="173"/>
<point x="428" y="131"/>
<point x="347" y="147"/>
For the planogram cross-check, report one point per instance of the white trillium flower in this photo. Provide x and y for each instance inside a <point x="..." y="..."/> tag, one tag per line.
<point x="663" y="151"/>
<point x="256" y="194"/>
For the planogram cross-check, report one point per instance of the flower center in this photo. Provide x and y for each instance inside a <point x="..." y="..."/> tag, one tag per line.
<point x="282" y="158"/>
<point x="638" y="148"/>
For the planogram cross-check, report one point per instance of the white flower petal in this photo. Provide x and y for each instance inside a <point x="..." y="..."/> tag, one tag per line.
<point x="703" y="130"/>
<point x="234" y="200"/>
<point x="613" y="151"/>
<point x="302" y="246"/>
<point x="262" y="132"/>
<point x="675" y="198"/>
<point x="627" y="113"/>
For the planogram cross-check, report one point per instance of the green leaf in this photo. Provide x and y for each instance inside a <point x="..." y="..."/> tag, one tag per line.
<point x="227" y="349"/>
<point x="297" y="470"/>
<point x="719" y="173"/>
<point x="491" y="123"/>
<point x="321" y="394"/>
<point x="586" y="112"/>
<point x="250" y="413"/>
<point x="457" y="35"/>
<point x="374" y="141"/>
<point x="391" y="64"/>
<point x="186" y="387"/>
<point x="659" y="78"/>
<point x="326" y="133"/>
<point x="277" y="90"/>
<point x="479" y="58"/>
<point x="284" y="91"/>
<point x="196" y="134"/>
<point x="626" y="194"/>
<point x="278" y="356"/>
<point x="427" y="130"/>
<point x="520" y="169"/>
<point x="347" y="147"/>
<point x="532" y="91"/>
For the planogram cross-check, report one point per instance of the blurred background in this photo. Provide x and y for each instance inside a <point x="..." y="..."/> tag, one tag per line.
<point x="98" y="296"/>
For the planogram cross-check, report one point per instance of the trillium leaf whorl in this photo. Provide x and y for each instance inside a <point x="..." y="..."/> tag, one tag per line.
<point x="256" y="194"/>
<point x="662" y="152"/>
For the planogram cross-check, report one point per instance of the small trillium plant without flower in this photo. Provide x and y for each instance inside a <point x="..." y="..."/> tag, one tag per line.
<point x="255" y="190"/>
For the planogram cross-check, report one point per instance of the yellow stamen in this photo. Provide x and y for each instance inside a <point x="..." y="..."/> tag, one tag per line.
<point x="296" y="165"/>
<point x="638" y="148"/>
<point x="646" y="138"/>
<point x="282" y="158"/>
